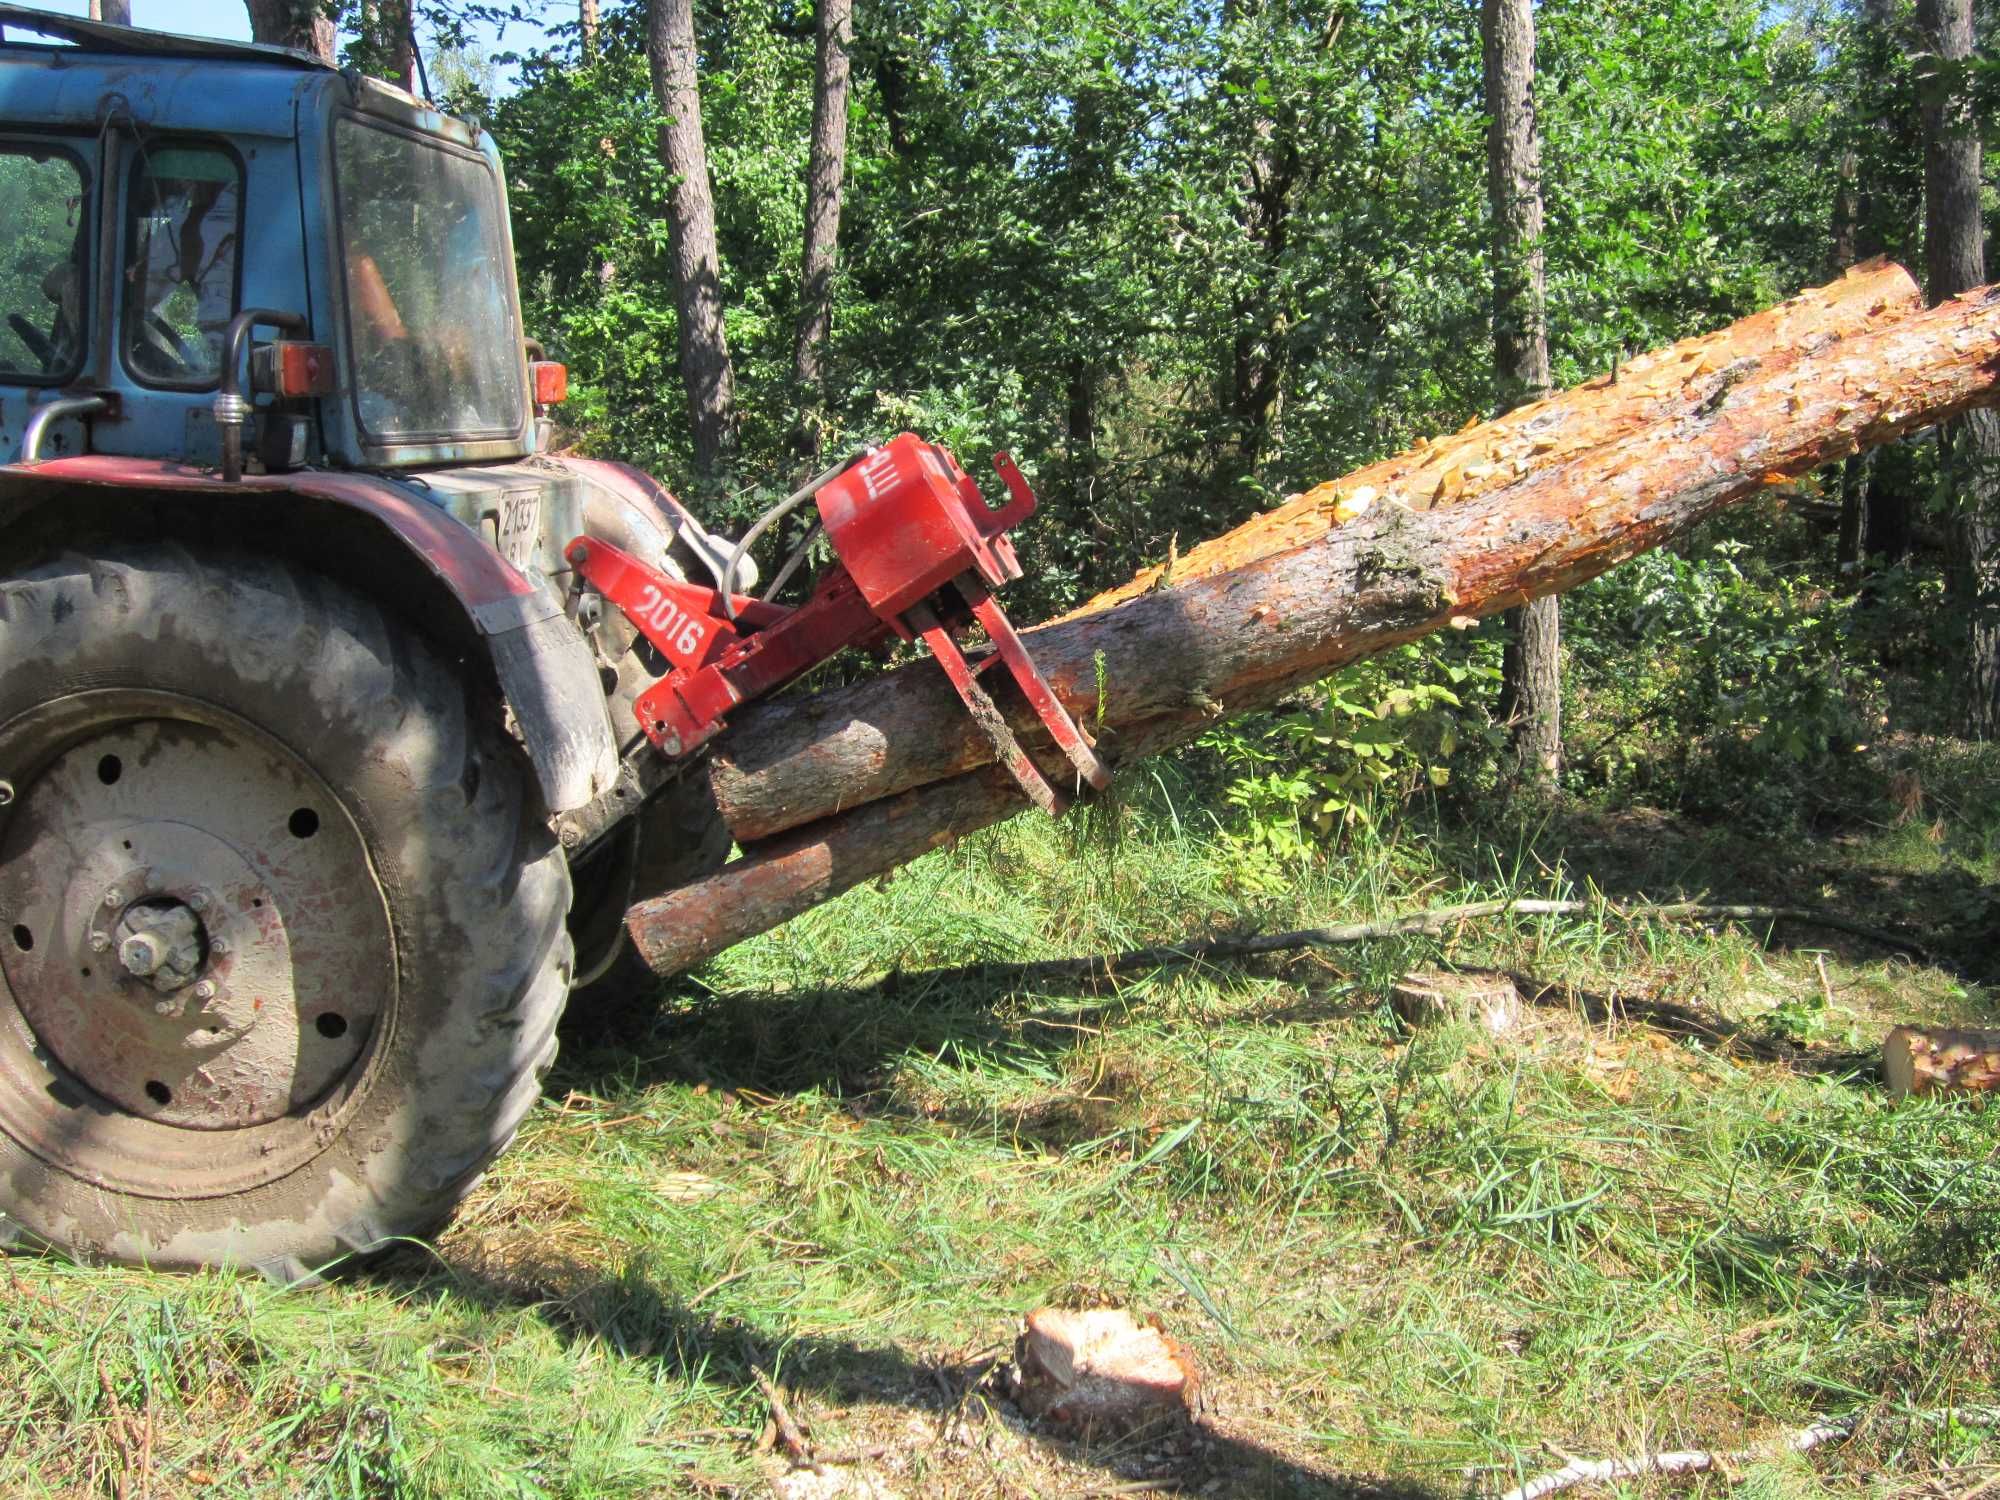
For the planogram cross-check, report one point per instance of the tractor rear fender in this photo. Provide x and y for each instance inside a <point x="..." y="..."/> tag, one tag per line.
<point x="377" y="537"/>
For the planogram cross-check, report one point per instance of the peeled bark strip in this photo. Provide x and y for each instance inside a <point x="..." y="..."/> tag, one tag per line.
<point x="1917" y="1061"/>
<point x="1242" y="637"/>
<point x="1172" y="659"/>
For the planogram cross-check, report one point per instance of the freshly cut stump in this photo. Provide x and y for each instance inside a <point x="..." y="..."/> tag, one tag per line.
<point x="1916" y="1061"/>
<point x="1427" y="996"/>
<point x="1100" y="1369"/>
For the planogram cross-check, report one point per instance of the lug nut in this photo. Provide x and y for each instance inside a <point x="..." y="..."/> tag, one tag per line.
<point x="6" y="792"/>
<point x="204" y="991"/>
<point x="218" y="945"/>
<point x="114" y="898"/>
<point x="99" y="942"/>
<point x="199" y="901"/>
<point x="163" y="1007"/>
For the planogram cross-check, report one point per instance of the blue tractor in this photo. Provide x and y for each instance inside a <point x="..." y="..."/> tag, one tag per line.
<point x="306" y="734"/>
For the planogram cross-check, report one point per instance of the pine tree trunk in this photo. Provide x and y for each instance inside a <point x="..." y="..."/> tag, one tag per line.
<point x="299" y="24"/>
<point x="1955" y="253"/>
<point x="824" y="179"/>
<point x="586" y="17"/>
<point x="704" y="346"/>
<point x="883" y="769"/>
<point x="1851" y="546"/>
<point x="1531" y="674"/>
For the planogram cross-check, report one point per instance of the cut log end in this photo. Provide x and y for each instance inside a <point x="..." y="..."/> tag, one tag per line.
<point x="1940" y="1061"/>
<point x="1100" y="1370"/>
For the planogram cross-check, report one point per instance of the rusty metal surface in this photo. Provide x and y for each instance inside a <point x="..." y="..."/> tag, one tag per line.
<point x="154" y="815"/>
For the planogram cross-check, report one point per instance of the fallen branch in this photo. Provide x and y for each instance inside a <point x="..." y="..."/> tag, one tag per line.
<point x="790" y="1438"/>
<point x="1694" y="1461"/>
<point x="1438" y="920"/>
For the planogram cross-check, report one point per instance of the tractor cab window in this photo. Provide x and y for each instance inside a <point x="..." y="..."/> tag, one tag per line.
<point x="44" y="255"/>
<point x="183" y="234"/>
<point x="437" y="354"/>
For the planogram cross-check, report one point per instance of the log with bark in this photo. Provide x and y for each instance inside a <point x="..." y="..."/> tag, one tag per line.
<point x="833" y="788"/>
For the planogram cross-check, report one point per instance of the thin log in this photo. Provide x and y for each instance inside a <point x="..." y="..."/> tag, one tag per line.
<point x="897" y="750"/>
<point x="1926" y="1060"/>
<point x="1669" y="424"/>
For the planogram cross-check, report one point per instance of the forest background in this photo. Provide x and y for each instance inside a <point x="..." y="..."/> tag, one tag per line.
<point x="1183" y="259"/>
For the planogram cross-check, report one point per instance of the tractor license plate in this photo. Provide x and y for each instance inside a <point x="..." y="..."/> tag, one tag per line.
<point x="520" y="527"/>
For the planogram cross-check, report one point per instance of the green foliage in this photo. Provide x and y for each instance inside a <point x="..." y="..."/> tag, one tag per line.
<point x="1715" y="674"/>
<point x="1072" y="226"/>
<point x="1358" y="747"/>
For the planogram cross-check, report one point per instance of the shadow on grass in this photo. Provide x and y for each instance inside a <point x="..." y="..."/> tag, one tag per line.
<point x="968" y="1423"/>
<point x="1646" y="854"/>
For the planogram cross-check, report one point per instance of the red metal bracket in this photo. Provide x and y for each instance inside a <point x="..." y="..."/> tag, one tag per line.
<point x="910" y="529"/>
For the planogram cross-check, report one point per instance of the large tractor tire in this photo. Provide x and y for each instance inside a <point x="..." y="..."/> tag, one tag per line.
<point x="282" y="941"/>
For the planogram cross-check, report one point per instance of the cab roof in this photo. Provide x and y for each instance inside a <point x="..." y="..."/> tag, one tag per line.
<point x="136" y="41"/>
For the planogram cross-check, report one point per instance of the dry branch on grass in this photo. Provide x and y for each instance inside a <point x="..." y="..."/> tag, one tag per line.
<point x="1692" y="1461"/>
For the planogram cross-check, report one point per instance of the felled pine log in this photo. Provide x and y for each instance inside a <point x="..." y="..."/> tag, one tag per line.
<point x="1925" y="1060"/>
<point x="833" y="788"/>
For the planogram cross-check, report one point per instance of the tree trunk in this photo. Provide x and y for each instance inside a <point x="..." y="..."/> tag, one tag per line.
<point x="1531" y="673"/>
<point x="1851" y="546"/>
<point x="704" y="347"/>
<point x="1255" y="391"/>
<point x="824" y="178"/>
<point x="388" y="44"/>
<point x="1955" y="253"/>
<point x="299" y="24"/>
<point x="586" y="17"/>
<point x="885" y="769"/>
<point x="1922" y="1061"/>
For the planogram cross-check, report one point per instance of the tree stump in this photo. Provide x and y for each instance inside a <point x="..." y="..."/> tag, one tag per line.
<point x="1101" y="1369"/>
<point x="1923" y="1061"/>
<point x="1427" y="996"/>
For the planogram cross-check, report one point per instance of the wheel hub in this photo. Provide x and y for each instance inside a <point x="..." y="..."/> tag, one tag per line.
<point x="195" y="931"/>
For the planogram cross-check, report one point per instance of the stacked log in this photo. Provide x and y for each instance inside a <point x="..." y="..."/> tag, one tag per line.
<point x="830" y="789"/>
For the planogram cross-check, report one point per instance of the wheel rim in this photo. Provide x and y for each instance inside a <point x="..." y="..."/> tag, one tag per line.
<point x="197" y="954"/>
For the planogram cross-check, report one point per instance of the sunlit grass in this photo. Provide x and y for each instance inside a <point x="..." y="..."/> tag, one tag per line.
<point x="1442" y="1258"/>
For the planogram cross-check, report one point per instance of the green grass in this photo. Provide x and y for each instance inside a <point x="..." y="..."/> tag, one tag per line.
<point x="854" y="1152"/>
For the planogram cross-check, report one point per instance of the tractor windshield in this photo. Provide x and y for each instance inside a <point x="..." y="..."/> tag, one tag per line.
<point x="436" y="351"/>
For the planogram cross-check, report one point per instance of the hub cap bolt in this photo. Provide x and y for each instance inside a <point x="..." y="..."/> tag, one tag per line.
<point x="204" y="991"/>
<point x="99" y="942"/>
<point x="114" y="898"/>
<point x="141" y="954"/>
<point x="198" y="901"/>
<point x="219" y="945"/>
<point x="163" y="1007"/>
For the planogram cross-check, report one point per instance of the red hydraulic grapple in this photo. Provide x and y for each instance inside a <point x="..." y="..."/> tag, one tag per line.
<point x="919" y="554"/>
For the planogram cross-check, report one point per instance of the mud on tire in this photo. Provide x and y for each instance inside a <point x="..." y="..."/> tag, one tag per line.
<point x="384" y="963"/>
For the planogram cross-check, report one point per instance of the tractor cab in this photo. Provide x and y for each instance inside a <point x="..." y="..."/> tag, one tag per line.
<point x="233" y="255"/>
